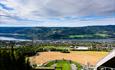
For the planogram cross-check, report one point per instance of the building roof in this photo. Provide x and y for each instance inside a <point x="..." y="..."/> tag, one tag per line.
<point x="105" y="59"/>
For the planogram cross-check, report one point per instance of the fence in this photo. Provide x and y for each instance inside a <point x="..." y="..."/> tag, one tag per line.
<point x="105" y="68"/>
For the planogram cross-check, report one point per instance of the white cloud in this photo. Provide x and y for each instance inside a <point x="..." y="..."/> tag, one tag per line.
<point x="38" y="12"/>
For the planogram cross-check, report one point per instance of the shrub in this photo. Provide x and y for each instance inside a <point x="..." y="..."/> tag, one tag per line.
<point x="65" y="51"/>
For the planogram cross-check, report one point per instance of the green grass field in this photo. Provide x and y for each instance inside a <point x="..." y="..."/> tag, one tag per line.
<point x="80" y="36"/>
<point x="64" y="64"/>
<point x="60" y="65"/>
<point x="90" y="36"/>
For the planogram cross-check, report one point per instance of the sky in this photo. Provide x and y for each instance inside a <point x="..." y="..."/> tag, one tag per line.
<point x="56" y="13"/>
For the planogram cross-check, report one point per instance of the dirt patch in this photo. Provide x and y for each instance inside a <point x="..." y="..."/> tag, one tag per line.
<point x="82" y="57"/>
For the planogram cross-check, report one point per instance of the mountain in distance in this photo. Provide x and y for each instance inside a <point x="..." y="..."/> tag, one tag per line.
<point x="87" y="32"/>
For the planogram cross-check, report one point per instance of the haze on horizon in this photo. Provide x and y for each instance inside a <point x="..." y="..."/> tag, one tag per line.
<point x="56" y="13"/>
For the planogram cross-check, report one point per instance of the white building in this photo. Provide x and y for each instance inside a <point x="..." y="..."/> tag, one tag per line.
<point x="79" y="47"/>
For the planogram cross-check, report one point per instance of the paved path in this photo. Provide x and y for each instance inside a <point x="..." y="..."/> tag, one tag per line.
<point x="73" y="67"/>
<point x="54" y="65"/>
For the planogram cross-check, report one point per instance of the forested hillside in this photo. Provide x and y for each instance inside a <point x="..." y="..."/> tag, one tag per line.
<point x="88" y="32"/>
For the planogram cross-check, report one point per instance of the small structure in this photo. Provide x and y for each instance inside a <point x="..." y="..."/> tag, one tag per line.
<point x="107" y="63"/>
<point x="82" y="48"/>
<point x="79" y="47"/>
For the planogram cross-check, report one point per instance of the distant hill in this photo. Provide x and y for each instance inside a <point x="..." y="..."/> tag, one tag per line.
<point x="88" y="32"/>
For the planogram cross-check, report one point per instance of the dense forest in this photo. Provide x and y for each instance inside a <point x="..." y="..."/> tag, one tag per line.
<point x="88" y="32"/>
<point x="11" y="59"/>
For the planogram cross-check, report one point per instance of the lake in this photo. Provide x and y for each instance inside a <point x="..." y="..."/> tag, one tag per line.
<point x="82" y="40"/>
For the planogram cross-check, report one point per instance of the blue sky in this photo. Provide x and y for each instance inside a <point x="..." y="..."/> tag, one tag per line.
<point x="56" y="13"/>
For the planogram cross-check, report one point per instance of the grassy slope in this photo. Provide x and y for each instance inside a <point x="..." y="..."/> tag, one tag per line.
<point x="64" y="64"/>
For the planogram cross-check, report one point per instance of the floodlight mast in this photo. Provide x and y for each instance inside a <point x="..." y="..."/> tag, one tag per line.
<point x="34" y="37"/>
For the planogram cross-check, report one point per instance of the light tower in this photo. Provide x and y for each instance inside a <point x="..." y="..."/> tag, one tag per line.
<point x="34" y="36"/>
